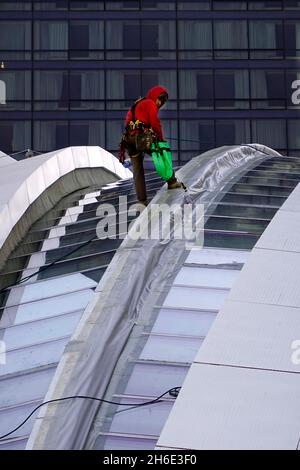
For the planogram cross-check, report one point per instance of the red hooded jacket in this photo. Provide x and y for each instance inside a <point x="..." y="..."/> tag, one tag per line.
<point x="147" y="111"/>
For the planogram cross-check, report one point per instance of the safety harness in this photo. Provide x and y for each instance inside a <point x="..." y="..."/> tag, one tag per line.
<point x="137" y="134"/>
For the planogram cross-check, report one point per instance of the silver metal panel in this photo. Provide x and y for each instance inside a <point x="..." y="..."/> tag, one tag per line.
<point x="171" y="349"/>
<point x="253" y="335"/>
<point x="183" y="322"/>
<point x="34" y="356"/>
<point x="235" y="408"/>
<point x="156" y="378"/>
<point x="12" y="417"/>
<point x="31" y="386"/>
<point x="30" y="333"/>
<point x="49" y="288"/>
<point x="189" y="297"/>
<point x="31" y="311"/>
<point x="147" y="420"/>
<point x="215" y="256"/>
<point x="190" y="276"/>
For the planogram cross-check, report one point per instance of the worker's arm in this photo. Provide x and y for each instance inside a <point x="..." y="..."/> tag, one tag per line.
<point x="154" y="120"/>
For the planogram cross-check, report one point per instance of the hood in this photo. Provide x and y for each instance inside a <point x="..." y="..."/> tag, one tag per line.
<point x="154" y="92"/>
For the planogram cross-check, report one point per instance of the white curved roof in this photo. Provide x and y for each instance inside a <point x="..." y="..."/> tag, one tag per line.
<point x="23" y="182"/>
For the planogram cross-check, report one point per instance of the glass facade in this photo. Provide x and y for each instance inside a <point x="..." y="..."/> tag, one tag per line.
<point x="72" y="69"/>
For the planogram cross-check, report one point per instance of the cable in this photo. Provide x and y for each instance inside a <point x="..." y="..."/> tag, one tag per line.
<point x="44" y="268"/>
<point x="172" y="391"/>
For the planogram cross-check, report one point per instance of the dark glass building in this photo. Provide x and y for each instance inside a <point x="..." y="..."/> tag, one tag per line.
<point x="70" y="69"/>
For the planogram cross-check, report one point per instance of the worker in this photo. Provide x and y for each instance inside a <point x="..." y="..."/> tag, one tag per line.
<point x="142" y="127"/>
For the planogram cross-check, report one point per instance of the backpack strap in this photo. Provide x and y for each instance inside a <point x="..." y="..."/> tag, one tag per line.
<point x="133" y="118"/>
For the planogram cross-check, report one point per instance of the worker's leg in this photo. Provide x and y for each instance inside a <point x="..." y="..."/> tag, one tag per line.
<point x="139" y="176"/>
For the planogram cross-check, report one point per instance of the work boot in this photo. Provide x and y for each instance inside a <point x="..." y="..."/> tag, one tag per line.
<point x="174" y="185"/>
<point x="145" y="203"/>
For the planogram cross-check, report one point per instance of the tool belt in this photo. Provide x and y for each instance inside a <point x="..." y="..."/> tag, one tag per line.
<point x="137" y="134"/>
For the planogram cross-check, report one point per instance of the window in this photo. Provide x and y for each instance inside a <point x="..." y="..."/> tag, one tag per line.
<point x="196" y="136"/>
<point x="15" y="136"/>
<point x="79" y="40"/>
<point x="51" y="5"/>
<point x="123" y="87"/>
<point x="15" y="40"/>
<point x="131" y="40"/>
<point x="50" y="135"/>
<point x="224" y="5"/>
<point x="132" y="87"/>
<point x="150" y="79"/>
<point x="275" y="88"/>
<point x="114" y="129"/>
<point x="204" y="89"/>
<point x="196" y="89"/>
<point x="291" y="5"/>
<point x="149" y="5"/>
<point x="294" y="134"/>
<point x="6" y="133"/>
<point x="51" y="37"/>
<point x="128" y="5"/>
<point x="225" y="132"/>
<point x="270" y="132"/>
<point x="292" y="39"/>
<point x="232" y="89"/>
<point x="94" y="5"/>
<point x="268" y="89"/>
<point x="51" y="90"/>
<point x="206" y="135"/>
<point x="75" y="88"/>
<point x="225" y="88"/>
<point x="267" y="37"/>
<point x="15" y="6"/>
<point x="268" y="5"/>
<point x="230" y="39"/>
<point x="86" y="39"/>
<point x="158" y="39"/>
<point x="194" y="39"/>
<point x="119" y="90"/>
<point x="87" y="133"/>
<point x="79" y="133"/>
<point x="232" y="132"/>
<point x="195" y="5"/>
<point x="87" y="89"/>
<point x="150" y="40"/>
<point x="16" y="86"/>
